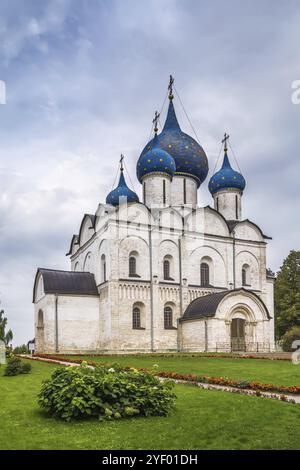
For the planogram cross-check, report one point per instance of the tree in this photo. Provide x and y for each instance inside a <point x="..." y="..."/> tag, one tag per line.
<point x="287" y="294"/>
<point x="6" y="337"/>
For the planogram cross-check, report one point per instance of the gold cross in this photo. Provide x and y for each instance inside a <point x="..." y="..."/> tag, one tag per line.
<point x="155" y="121"/>
<point x="121" y="162"/>
<point x="224" y="141"/>
<point x="170" y="88"/>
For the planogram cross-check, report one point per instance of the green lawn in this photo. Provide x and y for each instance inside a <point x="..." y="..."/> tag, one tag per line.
<point x="202" y="420"/>
<point x="263" y="370"/>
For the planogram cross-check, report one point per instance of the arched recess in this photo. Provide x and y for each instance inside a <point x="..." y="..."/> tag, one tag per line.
<point x="169" y="252"/>
<point x="242" y="303"/>
<point x="215" y="261"/>
<point x="103" y="264"/>
<point x="77" y="266"/>
<point x="87" y="229"/>
<point x="247" y="266"/>
<point x="207" y="220"/>
<point x="139" y="247"/>
<point x="40" y="333"/>
<point x="246" y="275"/>
<point x="138" y="316"/>
<point x="87" y="265"/>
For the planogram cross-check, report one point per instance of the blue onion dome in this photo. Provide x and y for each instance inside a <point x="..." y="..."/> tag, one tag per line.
<point x="155" y="160"/>
<point x="190" y="158"/>
<point x="121" y="191"/>
<point x="226" y="178"/>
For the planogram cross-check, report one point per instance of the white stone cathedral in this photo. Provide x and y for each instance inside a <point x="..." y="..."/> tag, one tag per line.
<point x="163" y="274"/>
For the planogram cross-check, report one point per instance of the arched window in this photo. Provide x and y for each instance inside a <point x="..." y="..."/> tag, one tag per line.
<point x="166" y="269"/>
<point x="40" y="322"/>
<point x="136" y="318"/>
<point x="246" y="275"/>
<point x="168" y="317"/>
<point x="236" y="208"/>
<point x="204" y="274"/>
<point x="103" y="268"/>
<point x="132" y="266"/>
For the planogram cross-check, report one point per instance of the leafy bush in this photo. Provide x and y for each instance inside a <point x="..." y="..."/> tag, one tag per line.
<point x="108" y="393"/>
<point x="21" y="349"/>
<point x="291" y="335"/>
<point x="15" y="367"/>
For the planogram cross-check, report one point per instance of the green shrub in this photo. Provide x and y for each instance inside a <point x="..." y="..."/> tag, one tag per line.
<point x="291" y="335"/>
<point x="108" y="393"/>
<point x="15" y="367"/>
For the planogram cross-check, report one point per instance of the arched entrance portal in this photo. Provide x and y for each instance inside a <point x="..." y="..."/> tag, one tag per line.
<point x="40" y="331"/>
<point x="238" y="342"/>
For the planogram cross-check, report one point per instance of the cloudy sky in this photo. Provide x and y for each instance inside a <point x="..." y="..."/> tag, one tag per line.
<point x="83" y="79"/>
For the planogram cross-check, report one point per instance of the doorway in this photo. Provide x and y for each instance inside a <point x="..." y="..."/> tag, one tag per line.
<point x="238" y="342"/>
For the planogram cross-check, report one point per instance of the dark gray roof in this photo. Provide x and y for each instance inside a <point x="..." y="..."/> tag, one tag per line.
<point x="67" y="282"/>
<point x="206" y="306"/>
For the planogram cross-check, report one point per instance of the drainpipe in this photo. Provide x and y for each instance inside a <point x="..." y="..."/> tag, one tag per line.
<point x="56" y="323"/>
<point x="233" y="258"/>
<point x="151" y="292"/>
<point x="180" y="293"/>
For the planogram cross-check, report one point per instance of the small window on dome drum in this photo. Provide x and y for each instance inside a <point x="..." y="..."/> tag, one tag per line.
<point x="164" y="191"/>
<point x="184" y="191"/>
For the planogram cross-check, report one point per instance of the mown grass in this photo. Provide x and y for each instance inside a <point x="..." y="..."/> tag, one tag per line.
<point x="277" y="372"/>
<point x="202" y="420"/>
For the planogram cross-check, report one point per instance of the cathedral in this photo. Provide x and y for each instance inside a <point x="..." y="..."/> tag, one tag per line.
<point x="162" y="274"/>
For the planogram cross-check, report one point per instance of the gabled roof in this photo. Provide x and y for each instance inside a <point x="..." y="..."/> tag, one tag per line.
<point x="74" y="241"/>
<point x="233" y="223"/>
<point x="206" y="306"/>
<point x="66" y="282"/>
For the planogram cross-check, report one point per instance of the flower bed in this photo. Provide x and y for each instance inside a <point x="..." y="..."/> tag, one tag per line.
<point x="176" y="354"/>
<point x="241" y="384"/>
<point x="224" y="381"/>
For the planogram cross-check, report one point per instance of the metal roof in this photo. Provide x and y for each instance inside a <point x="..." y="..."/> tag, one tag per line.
<point x="206" y="306"/>
<point x="67" y="282"/>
